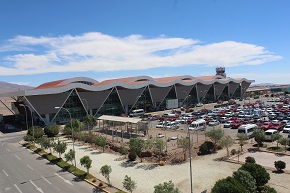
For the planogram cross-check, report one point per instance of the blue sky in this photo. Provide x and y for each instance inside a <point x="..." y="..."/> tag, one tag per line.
<point x="43" y="41"/>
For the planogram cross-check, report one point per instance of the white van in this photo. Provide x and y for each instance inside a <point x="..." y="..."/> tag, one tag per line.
<point x="199" y="124"/>
<point x="269" y="133"/>
<point x="137" y="113"/>
<point x="248" y="129"/>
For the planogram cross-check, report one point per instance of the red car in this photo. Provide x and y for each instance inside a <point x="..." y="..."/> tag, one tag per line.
<point x="266" y="126"/>
<point x="277" y="126"/>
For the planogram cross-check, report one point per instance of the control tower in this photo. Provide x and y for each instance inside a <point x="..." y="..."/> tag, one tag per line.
<point x="221" y="71"/>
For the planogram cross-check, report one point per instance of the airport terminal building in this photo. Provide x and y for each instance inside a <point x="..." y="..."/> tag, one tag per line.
<point x="82" y="95"/>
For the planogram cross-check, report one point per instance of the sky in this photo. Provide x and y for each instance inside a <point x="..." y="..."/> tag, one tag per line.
<point x="43" y="41"/>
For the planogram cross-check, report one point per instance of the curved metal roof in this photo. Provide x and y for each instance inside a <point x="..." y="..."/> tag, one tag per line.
<point x="137" y="82"/>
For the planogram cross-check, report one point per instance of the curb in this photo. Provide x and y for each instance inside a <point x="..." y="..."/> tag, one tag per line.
<point x="95" y="185"/>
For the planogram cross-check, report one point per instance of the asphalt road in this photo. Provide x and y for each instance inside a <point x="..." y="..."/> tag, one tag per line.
<point x="22" y="171"/>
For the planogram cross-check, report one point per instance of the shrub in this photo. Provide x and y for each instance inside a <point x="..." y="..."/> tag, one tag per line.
<point x="233" y="152"/>
<point x="250" y="160"/>
<point x="101" y="184"/>
<point x="132" y="156"/>
<point x="206" y="147"/>
<point x="258" y="172"/>
<point x="94" y="180"/>
<point x="228" y="185"/>
<point x="279" y="165"/>
<point x="162" y="163"/>
<point x="268" y="189"/>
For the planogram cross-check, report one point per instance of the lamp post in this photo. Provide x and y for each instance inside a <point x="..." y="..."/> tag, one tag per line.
<point x="190" y="155"/>
<point x="72" y="133"/>
<point x="87" y="110"/>
<point x="24" y="106"/>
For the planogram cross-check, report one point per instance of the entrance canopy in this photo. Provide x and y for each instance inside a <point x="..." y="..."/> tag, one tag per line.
<point x="120" y="119"/>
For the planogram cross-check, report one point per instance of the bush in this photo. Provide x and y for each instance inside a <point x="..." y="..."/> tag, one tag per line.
<point x="101" y="184"/>
<point x="250" y="160"/>
<point x="132" y="156"/>
<point x="206" y="147"/>
<point x="258" y="172"/>
<point x="268" y="189"/>
<point x="51" y="130"/>
<point x="162" y="163"/>
<point x="280" y="165"/>
<point x="233" y="152"/>
<point x="228" y="185"/>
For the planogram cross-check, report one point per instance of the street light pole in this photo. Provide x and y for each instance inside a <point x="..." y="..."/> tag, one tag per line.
<point x="190" y="157"/>
<point x="24" y="106"/>
<point x="72" y="133"/>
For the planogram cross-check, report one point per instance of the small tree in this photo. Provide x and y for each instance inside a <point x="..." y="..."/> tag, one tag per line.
<point x="86" y="162"/>
<point x="74" y="125"/>
<point x="69" y="156"/>
<point x="215" y="135"/>
<point x="184" y="144"/>
<point x="129" y="184"/>
<point x="101" y="141"/>
<point x="35" y="131"/>
<point x="51" y="130"/>
<point x="250" y="160"/>
<point x="48" y="143"/>
<point x="60" y="148"/>
<point x="166" y="187"/>
<point x="227" y="142"/>
<point x="105" y="171"/>
<point x="159" y="146"/>
<point x="259" y="136"/>
<point x="228" y="185"/>
<point x="276" y="137"/>
<point x="246" y="180"/>
<point x="258" y="172"/>
<point x="280" y="165"/>
<point x="283" y="141"/>
<point x="242" y="137"/>
<point x="137" y="145"/>
<point x="90" y="120"/>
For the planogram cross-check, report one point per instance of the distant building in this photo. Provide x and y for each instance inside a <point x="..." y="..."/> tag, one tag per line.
<point x="82" y="95"/>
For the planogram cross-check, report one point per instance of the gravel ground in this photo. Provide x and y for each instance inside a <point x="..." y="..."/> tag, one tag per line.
<point x="206" y="170"/>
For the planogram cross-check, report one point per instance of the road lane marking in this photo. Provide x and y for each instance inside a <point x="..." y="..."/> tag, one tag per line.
<point x="18" y="157"/>
<point x="67" y="181"/>
<point x="5" y="173"/>
<point x="29" y="167"/>
<point x="8" y="150"/>
<point x="17" y="188"/>
<point x="37" y="188"/>
<point x="45" y="179"/>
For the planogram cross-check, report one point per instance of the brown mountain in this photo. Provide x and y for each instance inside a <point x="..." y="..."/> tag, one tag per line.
<point x="8" y="87"/>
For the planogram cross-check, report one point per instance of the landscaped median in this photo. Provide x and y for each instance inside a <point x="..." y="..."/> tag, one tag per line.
<point x="98" y="184"/>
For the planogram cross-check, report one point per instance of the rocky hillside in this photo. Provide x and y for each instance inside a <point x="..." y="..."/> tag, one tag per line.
<point x="8" y="87"/>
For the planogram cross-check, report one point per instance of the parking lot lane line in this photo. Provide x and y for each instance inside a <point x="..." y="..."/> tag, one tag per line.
<point x="45" y="179"/>
<point x="5" y="173"/>
<point x="18" y="157"/>
<point x="29" y="167"/>
<point x="17" y="188"/>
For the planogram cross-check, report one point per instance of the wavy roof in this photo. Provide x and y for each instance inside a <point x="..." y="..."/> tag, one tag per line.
<point x="60" y="86"/>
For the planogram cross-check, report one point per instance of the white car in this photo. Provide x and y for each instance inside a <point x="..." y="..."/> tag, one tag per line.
<point x="213" y="123"/>
<point x="173" y="137"/>
<point x="160" y="135"/>
<point x="286" y="129"/>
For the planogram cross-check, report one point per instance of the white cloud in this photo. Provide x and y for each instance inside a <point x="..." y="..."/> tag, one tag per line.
<point x="100" y="52"/>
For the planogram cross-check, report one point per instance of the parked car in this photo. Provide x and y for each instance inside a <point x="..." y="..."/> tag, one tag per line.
<point x="286" y="129"/>
<point x="213" y="123"/>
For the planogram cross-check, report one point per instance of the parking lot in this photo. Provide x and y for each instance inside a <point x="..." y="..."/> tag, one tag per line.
<point x="255" y="111"/>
